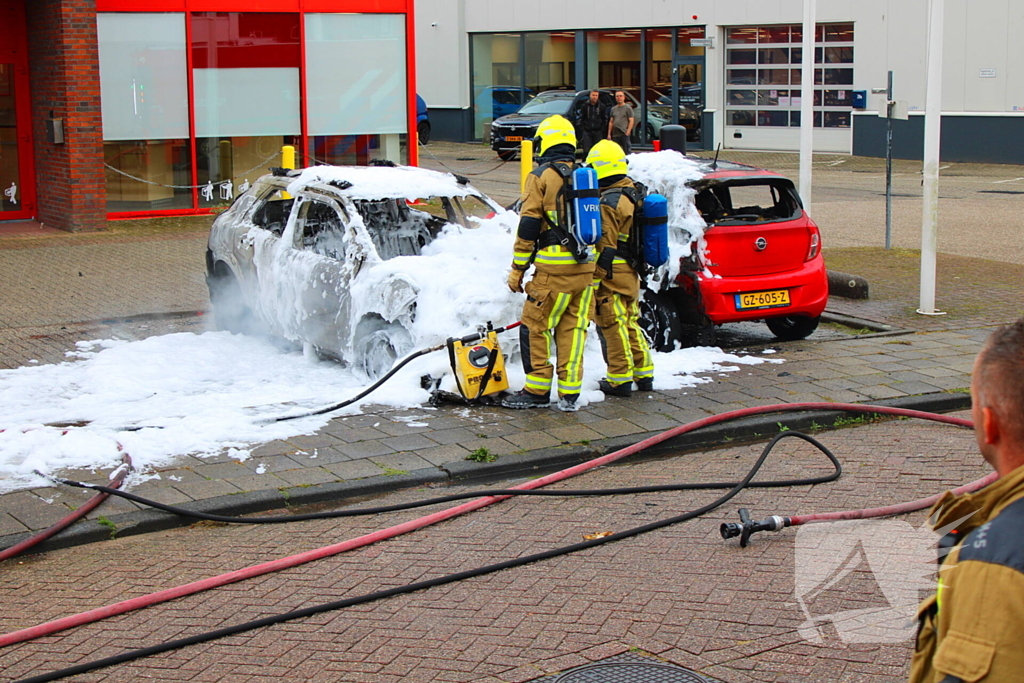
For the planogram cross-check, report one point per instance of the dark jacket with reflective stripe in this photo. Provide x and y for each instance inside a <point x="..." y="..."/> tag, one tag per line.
<point x="973" y="628"/>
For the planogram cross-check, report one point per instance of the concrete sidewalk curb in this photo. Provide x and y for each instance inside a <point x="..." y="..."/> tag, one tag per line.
<point x="521" y="465"/>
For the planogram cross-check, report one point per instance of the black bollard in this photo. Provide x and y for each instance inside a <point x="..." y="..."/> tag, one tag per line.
<point x="673" y="137"/>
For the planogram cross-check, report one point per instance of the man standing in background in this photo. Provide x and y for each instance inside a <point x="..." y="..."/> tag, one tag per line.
<point x="593" y="122"/>
<point x="620" y="123"/>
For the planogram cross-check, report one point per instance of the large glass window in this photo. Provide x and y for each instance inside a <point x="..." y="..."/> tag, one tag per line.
<point x="144" y="104"/>
<point x="613" y="58"/>
<point x="763" y="64"/>
<point x="357" y="107"/>
<point x="497" y="80"/>
<point x="550" y="60"/>
<point x="245" y="71"/>
<point x="355" y="74"/>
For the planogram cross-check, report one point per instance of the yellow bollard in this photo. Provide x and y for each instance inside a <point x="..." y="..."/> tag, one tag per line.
<point x="288" y="156"/>
<point x="287" y="161"/>
<point x="525" y="162"/>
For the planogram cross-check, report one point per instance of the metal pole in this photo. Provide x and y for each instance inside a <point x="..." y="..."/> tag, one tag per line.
<point x="806" y="105"/>
<point x="932" y="127"/>
<point x="888" y="164"/>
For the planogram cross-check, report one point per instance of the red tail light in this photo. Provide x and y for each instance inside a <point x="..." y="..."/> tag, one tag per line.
<point x="815" y="243"/>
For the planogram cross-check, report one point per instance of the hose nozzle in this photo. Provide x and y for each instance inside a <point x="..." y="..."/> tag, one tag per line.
<point x="746" y="527"/>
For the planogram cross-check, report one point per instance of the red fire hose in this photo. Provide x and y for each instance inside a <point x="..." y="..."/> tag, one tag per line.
<point x="116" y="479"/>
<point x="309" y="556"/>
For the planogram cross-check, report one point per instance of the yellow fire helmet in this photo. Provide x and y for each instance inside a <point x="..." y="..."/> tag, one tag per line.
<point x="555" y="130"/>
<point x="607" y="159"/>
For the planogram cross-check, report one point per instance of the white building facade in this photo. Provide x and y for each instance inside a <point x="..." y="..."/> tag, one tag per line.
<point x="737" y="62"/>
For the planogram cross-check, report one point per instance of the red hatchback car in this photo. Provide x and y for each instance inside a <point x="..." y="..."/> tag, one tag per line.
<point x="761" y="260"/>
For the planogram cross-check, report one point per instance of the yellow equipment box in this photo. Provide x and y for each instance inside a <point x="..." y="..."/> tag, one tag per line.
<point x="471" y="363"/>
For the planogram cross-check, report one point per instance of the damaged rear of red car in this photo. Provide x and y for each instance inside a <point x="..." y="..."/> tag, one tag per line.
<point x="760" y="260"/>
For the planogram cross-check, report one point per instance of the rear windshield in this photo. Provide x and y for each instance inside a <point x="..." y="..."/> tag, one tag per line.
<point x="747" y="201"/>
<point x="548" y="104"/>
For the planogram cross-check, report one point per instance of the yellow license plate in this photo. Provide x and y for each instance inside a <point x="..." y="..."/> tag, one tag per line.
<point x="514" y="138"/>
<point x="774" y="299"/>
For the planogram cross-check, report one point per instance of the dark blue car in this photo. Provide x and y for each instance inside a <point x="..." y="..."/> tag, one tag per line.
<point x="422" y="121"/>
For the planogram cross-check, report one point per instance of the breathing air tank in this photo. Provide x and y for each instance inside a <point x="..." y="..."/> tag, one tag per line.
<point x="655" y="230"/>
<point x="586" y="214"/>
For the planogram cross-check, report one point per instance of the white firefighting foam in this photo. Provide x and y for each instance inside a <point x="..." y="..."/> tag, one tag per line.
<point x="202" y="394"/>
<point x="667" y="173"/>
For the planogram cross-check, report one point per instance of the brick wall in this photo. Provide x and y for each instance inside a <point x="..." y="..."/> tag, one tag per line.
<point x="65" y="76"/>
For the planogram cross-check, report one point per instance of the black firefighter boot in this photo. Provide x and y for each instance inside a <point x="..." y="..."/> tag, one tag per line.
<point x="624" y="390"/>
<point x="524" y="399"/>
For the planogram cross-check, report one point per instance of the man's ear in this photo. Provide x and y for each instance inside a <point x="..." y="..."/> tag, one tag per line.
<point x="991" y="429"/>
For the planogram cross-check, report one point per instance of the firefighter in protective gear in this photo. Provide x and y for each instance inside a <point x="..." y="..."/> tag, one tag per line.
<point x="561" y="293"/>
<point x="617" y="310"/>
<point x="971" y="629"/>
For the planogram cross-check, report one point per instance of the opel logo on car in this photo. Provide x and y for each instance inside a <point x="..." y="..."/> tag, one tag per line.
<point x="760" y="244"/>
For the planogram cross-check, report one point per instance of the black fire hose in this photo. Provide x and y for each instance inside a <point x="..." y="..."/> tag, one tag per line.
<point x="357" y="512"/>
<point x="459" y="576"/>
<point x="388" y="375"/>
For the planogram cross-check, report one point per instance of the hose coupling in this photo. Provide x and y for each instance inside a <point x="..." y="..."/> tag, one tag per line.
<point x="746" y="527"/>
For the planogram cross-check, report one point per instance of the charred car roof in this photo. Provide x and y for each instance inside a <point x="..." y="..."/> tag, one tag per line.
<point x="374" y="182"/>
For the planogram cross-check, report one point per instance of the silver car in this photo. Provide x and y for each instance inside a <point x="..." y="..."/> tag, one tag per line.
<point x="284" y="257"/>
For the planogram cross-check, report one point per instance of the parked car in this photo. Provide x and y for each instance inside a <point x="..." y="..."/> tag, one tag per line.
<point x="422" y="121"/>
<point x="495" y="101"/>
<point x="760" y="260"/>
<point x="292" y="255"/>
<point x="509" y="131"/>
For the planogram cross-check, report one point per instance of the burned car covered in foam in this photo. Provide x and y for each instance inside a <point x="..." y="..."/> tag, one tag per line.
<point x="341" y="259"/>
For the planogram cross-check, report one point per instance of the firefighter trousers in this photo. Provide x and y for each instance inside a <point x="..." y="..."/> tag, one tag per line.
<point x="555" y="318"/>
<point x="617" y="315"/>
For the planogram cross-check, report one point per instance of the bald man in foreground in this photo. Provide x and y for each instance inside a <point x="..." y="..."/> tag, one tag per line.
<point x="972" y="629"/>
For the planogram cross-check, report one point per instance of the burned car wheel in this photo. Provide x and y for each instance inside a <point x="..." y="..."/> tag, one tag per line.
<point x="660" y="321"/>
<point x="423" y="131"/>
<point x="792" y="328"/>
<point x="378" y="344"/>
<point x="229" y="309"/>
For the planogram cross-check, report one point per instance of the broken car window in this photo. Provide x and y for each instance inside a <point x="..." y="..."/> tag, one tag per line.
<point x="398" y="229"/>
<point x="322" y="228"/>
<point x="474" y="207"/>
<point x="272" y="209"/>
<point x="746" y="202"/>
<point x="441" y="207"/>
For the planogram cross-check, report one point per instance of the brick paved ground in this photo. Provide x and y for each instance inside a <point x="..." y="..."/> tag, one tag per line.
<point x="679" y="593"/>
<point x="146" y="277"/>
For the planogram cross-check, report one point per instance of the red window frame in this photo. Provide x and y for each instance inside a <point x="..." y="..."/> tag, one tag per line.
<point x="14" y="51"/>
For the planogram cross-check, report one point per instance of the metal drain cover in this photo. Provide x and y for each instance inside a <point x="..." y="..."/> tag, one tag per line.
<point x="629" y="668"/>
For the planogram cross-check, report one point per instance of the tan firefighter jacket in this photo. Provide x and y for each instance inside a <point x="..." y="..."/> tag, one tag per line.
<point x="973" y="628"/>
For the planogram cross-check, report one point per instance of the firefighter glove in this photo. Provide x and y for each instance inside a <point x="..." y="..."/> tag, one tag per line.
<point x="605" y="260"/>
<point x="515" y="280"/>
